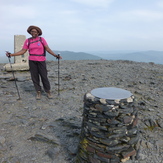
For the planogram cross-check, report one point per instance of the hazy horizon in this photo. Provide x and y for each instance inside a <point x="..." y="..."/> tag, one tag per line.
<point x="138" y="56"/>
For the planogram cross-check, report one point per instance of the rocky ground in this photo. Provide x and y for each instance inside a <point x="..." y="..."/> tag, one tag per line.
<point x="47" y="131"/>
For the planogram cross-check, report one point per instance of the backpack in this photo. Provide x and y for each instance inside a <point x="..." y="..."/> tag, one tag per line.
<point x="40" y="39"/>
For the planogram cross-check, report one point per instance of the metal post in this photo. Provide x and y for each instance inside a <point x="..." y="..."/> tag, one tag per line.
<point x="14" y="78"/>
<point x="58" y="74"/>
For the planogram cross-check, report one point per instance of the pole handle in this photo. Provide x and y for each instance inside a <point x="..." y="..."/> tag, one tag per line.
<point x="8" y="54"/>
<point x="58" y="56"/>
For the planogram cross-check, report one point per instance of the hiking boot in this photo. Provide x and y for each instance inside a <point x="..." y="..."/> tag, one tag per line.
<point x="38" y="96"/>
<point x="49" y="95"/>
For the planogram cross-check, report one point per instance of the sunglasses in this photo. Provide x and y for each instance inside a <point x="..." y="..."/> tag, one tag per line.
<point x="33" y="32"/>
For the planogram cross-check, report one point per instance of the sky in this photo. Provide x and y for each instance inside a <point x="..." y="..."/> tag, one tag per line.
<point x="85" y="25"/>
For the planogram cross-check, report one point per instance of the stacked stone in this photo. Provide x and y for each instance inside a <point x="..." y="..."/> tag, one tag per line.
<point x="109" y="130"/>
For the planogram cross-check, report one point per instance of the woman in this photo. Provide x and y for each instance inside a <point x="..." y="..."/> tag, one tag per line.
<point x="37" y="61"/>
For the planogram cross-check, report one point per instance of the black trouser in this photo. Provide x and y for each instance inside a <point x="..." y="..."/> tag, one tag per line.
<point x="38" y="69"/>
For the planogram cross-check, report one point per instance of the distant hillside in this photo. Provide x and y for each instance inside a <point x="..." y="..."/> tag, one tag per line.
<point x="146" y="56"/>
<point x="140" y="56"/>
<point x="70" y="55"/>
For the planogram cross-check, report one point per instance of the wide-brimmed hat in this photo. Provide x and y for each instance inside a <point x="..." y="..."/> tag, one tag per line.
<point x="34" y="27"/>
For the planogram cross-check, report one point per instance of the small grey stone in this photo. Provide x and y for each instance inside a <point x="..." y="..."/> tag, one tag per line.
<point x="2" y="140"/>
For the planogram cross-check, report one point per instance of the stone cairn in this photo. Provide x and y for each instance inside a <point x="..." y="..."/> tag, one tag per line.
<point x="109" y="131"/>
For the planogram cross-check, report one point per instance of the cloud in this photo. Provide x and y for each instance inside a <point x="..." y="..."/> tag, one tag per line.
<point x="160" y="4"/>
<point x="95" y="3"/>
<point x="148" y="15"/>
<point x="15" y="18"/>
<point x="134" y="16"/>
<point x="13" y="13"/>
<point x="82" y="23"/>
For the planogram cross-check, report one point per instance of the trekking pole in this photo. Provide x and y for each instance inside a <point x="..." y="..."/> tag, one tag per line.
<point x="58" y="75"/>
<point x="14" y="77"/>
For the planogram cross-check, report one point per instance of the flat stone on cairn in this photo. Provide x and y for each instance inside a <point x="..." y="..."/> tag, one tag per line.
<point x="109" y="131"/>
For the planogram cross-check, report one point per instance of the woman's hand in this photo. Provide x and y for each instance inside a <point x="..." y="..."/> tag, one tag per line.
<point x="8" y="54"/>
<point x="58" y="56"/>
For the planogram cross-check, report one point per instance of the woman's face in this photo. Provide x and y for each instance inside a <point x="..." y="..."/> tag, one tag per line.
<point x="34" y="33"/>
